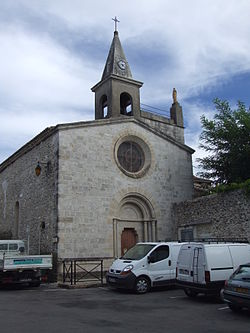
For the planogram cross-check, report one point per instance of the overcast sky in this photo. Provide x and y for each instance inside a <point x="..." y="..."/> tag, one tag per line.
<point x="54" y="51"/>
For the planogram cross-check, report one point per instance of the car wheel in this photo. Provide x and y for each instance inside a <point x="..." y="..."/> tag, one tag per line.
<point x="234" y="307"/>
<point x="142" y="285"/>
<point x="190" y="293"/>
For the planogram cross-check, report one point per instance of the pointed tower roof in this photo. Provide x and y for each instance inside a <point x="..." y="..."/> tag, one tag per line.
<point x="116" y="62"/>
<point x="117" y="94"/>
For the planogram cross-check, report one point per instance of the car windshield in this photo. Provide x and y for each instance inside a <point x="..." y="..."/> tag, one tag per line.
<point x="138" y="251"/>
<point x="242" y="273"/>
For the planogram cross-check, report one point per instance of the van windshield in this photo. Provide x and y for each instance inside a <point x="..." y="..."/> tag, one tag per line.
<point x="138" y="251"/>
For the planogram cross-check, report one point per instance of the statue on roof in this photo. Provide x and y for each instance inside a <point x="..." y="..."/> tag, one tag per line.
<point x="175" y="96"/>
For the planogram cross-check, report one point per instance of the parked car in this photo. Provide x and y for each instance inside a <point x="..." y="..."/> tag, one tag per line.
<point x="204" y="267"/>
<point x="144" y="266"/>
<point x="236" y="292"/>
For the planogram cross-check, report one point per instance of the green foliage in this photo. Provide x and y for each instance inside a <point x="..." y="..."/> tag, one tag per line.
<point x="246" y="187"/>
<point x="233" y="186"/>
<point x="226" y="138"/>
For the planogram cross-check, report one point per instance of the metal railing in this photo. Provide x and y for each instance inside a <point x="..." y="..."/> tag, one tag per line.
<point x="155" y="110"/>
<point x="83" y="270"/>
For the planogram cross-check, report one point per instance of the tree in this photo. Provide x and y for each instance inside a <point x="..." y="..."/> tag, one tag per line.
<point x="227" y="140"/>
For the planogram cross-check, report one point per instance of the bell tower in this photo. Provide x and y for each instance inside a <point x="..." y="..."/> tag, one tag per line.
<point x="117" y="94"/>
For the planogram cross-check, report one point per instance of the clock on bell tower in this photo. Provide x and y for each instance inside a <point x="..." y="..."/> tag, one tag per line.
<point x="117" y="94"/>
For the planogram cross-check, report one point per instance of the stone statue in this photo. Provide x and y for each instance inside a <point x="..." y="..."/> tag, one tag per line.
<point x="174" y="95"/>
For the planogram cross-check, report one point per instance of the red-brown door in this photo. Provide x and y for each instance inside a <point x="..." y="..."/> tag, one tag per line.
<point x="128" y="239"/>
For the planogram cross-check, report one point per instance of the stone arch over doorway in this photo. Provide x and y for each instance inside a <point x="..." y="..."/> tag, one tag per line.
<point x="135" y="222"/>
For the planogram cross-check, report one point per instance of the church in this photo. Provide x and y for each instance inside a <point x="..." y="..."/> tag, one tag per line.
<point x="95" y="188"/>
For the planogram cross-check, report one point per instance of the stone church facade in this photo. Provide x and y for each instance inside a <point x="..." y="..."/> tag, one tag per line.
<point x="93" y="189"/>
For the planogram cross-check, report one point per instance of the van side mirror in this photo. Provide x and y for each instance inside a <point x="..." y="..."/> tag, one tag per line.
<point x="151" y="259"/>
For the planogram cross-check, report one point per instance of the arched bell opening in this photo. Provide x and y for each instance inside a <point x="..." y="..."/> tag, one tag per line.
<point x="126" y="107"/>
<point x="104" y="106"/>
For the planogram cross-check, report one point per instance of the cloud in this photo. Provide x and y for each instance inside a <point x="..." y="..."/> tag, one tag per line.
<point x="42" y="84"/>
<point x="41" y="72"/>
<point x="192" y="114"/>
<point x="53" y="52"/>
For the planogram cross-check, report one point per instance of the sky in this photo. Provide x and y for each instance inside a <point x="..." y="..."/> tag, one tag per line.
<point x="54" y="51"/>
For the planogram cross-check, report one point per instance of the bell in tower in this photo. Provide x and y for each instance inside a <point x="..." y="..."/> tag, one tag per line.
<point x="117" y="94"/>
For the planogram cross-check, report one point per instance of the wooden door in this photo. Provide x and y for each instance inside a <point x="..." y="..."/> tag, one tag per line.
<point x="128" y="239"/>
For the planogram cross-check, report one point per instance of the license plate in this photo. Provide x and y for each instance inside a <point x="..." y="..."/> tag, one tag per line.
<point x="241" y="290"/>
<point x="112" y="280"/>
<point x="24" y="280"/>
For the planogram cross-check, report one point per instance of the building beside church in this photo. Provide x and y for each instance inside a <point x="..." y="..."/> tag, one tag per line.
<point x="95" y="188"/>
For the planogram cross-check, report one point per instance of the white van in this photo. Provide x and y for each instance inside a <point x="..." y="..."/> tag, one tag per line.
<point x="203" y="268"/>
<point x="144" y="266"/>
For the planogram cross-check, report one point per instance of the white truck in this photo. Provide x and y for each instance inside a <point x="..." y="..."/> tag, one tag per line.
<point x="144" y="266"/>
<point x="16" y="267"/>
<point x="203" y="267"/>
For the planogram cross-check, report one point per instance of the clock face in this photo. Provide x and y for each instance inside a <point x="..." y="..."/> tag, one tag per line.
<point x="122" y="64"/>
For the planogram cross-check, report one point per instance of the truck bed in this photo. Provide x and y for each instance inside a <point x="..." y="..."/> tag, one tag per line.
<point x="12" y="263"/>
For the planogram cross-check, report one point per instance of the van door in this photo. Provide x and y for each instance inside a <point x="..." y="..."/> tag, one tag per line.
<point x="174" y="252"/>
<point x="159" y="266"/>
<point x="184" y="263"/>
<point x="198" y="265"/>
<point x="240" y="254"/>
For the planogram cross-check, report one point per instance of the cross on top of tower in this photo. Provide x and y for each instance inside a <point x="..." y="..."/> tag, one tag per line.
<point x="116" y="21"/>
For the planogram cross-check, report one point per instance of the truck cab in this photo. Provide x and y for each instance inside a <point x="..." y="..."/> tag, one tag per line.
<point x="11" y="247"/>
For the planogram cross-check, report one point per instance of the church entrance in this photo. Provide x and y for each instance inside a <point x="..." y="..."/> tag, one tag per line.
<point x="128" y="239"/>
<point x="135" y="222"/>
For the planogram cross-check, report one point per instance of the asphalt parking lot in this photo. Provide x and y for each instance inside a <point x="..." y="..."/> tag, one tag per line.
<point x="52" y="309"/>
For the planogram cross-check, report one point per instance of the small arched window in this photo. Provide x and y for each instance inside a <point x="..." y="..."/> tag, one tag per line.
<point x="126" y="104"/>
<point x="17" y="216"/>
<point x="104" y="105"/>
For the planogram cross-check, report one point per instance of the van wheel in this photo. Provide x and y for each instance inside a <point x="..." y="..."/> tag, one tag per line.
<point x="190" y="293"/>
<point x="142" y="285"/>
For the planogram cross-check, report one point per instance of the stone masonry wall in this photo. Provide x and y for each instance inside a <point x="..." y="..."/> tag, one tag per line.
<point x="218" y="215"/>
<point x="28" y="203"/>
<point x="164" y="125"/>
<point x="91" y="186"/>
